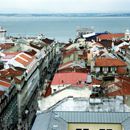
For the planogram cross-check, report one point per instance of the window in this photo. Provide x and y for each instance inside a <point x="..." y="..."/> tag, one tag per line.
<point x="101" y="129"/>
<point x="109" y="69"/>
<point x="82" y="129"/>
<point x="109" y="129"/>
<point x="54" y="90"/>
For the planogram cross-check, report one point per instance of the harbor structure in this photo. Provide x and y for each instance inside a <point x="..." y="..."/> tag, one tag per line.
<point x="2" y="34"/>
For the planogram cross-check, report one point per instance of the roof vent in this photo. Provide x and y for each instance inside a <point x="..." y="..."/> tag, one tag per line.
<point x="56" y="116"/>
<point x="54" y="127"/>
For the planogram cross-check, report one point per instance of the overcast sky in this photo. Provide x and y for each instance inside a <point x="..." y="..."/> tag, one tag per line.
<point x="63" y="6"/>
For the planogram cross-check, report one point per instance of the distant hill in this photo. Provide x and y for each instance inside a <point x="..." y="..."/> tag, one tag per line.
<point x="70" y="15"/>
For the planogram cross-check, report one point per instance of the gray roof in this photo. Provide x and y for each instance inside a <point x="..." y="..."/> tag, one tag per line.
<point x="126" y="124"/>
<point x="59" y="119"/>
<point x="42" y="121"/>
<point x="49" y="121"/>
<point x="93" y="117"/>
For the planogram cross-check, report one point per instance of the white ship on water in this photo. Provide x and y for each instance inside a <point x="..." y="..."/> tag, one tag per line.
<point x="85" y="32"/>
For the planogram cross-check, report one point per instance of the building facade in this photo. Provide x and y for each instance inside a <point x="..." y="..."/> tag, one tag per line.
<point x="24" y="68"/>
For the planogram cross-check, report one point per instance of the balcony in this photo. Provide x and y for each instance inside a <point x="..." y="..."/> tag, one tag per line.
<point x="9" y="115"/>
<point x="3" y="103"/>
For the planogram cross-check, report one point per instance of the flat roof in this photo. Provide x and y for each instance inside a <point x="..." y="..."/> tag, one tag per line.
<point x="59" y="117"/>
<point x="59" y="120"/>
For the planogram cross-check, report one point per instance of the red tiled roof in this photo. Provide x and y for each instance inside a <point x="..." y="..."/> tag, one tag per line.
<point x="69" y="69"/>
<point x="121" y="78"/>
<point x="64" y="64"/>
<point x="24" y="59"/>
<point x="106" y="62"/>
<point x="6" y="45"/>
<point x="96" y="81"/>
<point x="25" y="63"/>
<point x="9" y="55"/>
<point x="4" y="84"/>
<point x="10" y="72"/>
<point x="17" y="81"/>
<point x="69" y="52"/>
<point x="124" y="87"/>
<point x="48" y="92"/>
<point x="120" y="92"/>
<point x="125" y="47"/>
<point x="110" y="36"/>
<point x="116" y="93"/>
<point x="121" y="70"/>
<point x="5" y="79"/>
<point x="72" y="78"/>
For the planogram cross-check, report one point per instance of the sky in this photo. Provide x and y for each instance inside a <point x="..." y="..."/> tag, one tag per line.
<point x="64" y="6"/>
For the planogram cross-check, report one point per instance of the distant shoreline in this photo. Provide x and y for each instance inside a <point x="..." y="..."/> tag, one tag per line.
<point x="68" y="15"/>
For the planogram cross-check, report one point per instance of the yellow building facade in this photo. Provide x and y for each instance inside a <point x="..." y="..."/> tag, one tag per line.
<point x="84" y="126"/>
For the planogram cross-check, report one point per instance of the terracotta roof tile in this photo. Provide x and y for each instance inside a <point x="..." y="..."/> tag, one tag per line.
<point x="48" y="92"/>
<point x="4" y="79"/>
<point x="69" y="52"/>
<point x="10" y="72"/>
<point x="121" y="78"/>
<point x="124" y="87"/>
<point x="96" y="81"/>
<point x="9" y="55"/>
<point x="125" y="47"/>
<point x="120" y="92"/>
<point x="104" y="62"/>
<point x="28" y="58"/>
<point x="24" y="59"/>
<point x="25" y="63"/>
<point x="64" y="64"/>
<point x="72" y="78"/>
<point x="121" y="70"/>
<point x="4" y="84"/>
<point x="70" y="69"/>
<point x="18" y="81"/>
<point x="6" y="45"/>
<point x="110" y="36"/>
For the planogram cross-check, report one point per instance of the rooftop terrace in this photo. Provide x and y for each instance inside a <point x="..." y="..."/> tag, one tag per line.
<point x="93" y="105"/>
